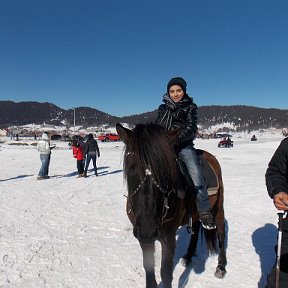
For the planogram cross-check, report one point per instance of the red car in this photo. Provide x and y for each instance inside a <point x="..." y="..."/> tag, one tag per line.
<point x="108" y="137"/>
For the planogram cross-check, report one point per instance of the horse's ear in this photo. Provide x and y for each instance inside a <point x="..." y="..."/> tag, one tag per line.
<point x="123" y="133"/>
<point x="173" y="134"/>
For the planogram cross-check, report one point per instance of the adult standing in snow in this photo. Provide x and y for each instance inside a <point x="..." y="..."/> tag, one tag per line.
<point x="43" y="146"/>
<point x="91" y="149"/>
<point x="277" y="187"/>
<point x="180" y="112"/>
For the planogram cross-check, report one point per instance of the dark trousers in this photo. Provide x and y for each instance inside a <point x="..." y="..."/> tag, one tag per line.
<point x="91" y="156"/>
<point x="283" y="281"/>
<point x="45" y="161"/>
<point x="80" y="166"/>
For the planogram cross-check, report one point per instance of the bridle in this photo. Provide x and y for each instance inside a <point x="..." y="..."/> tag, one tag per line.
<point x="166" y="193"/>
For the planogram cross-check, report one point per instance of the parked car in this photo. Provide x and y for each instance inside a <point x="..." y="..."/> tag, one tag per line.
<point x="55" y="137"/>
<point x="223" y="135"/>
<point x="225" y="142"/>
<point x="77" y="138"/>
<point x="66" y="138"/>
<point x="108" y="137"/>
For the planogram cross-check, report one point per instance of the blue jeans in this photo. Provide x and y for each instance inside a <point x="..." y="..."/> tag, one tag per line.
<point x="189" y="156"/>
<point x="89" y="157"/>
<point x="45" y="160"/>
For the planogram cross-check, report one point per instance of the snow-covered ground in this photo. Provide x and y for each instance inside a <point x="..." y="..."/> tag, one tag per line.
<point x="71" y="232"/>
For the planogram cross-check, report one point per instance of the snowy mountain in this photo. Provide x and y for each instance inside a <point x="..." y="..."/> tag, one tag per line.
<point x="237" y="118"/>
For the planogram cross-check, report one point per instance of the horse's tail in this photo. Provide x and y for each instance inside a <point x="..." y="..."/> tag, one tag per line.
<point x="210" y="237"/>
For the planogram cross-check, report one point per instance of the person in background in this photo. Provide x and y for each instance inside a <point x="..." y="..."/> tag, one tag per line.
<point x="79" y="155"/>
<point x="277" y="186"/>
<point x="180" y="112"/>
<point x="228" y="142"/>
<point x="43" y="146"/>
<point x="83" y="146"/>
<point x="253" y="138"/>
<point x="91" y="152"/>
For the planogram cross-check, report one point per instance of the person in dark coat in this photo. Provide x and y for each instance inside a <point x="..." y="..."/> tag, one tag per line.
<point x="91" y="152"/>
<point x="228" y="142"/>
<point x="277" y="187"/>
<point x="180" y="112"/>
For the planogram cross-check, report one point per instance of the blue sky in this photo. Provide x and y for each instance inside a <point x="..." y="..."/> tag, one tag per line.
<point x="117" y="56"/>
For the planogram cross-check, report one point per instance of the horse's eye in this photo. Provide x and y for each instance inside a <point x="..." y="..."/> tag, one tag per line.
<point x="131" y="169"/>
<point x="130" y="165"/>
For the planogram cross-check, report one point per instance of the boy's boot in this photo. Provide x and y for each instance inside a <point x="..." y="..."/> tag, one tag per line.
<point x="207" y="220"/>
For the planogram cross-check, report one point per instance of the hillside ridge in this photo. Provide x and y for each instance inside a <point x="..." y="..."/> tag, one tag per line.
<point x="241" y="117"/>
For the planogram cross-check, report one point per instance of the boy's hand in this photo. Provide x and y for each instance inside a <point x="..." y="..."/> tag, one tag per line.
<point x="281" y="201"/>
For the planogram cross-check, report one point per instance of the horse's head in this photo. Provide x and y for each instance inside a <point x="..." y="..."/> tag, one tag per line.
<point x="150" y="171"/>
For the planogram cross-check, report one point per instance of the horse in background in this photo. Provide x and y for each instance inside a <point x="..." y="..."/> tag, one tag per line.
<point x="153" y="206"/>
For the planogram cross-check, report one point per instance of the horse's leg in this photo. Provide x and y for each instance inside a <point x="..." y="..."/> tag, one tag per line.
<point x="222" y="260"/>
<point x="149" y="264"/>
<point x="221" y="235"/>
<point x="191" y="251"/>
<point x="168" y="249"/>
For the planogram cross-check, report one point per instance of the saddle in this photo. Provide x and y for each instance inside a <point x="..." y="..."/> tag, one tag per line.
<point x="208" y="172"/>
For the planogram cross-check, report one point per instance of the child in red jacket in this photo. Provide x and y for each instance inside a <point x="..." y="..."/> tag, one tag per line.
<point x="78" y="154"/>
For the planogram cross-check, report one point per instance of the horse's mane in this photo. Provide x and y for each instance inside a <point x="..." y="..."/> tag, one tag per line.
<point x="152" y="148"/>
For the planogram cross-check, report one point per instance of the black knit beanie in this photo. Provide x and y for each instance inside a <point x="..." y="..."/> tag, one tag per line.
<point x="177" y="81"/>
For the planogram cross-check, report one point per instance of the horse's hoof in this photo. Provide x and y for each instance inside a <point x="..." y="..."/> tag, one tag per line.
<point x="220" y="272"/>
<point x="185" y="262"/>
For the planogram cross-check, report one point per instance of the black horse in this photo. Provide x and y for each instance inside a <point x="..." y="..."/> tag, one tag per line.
<point x="153" y="205"/>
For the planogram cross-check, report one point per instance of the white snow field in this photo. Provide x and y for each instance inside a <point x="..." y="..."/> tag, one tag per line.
<point x="74" y="233"/>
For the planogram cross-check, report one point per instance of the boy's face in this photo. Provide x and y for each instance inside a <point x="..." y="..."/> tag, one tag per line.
<point x="176" y="93"/>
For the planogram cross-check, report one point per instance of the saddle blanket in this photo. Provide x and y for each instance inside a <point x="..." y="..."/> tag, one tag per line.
<point x="209" y="175"/>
